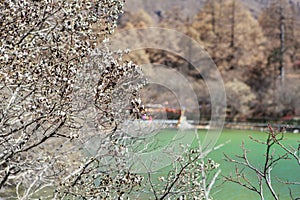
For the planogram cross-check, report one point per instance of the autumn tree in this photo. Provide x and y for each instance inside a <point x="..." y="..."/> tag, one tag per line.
<point x="240" y="97"/>
<point x="280" y="25"/>
<point x="230" y="34"/>
<point x="235" y="41"/>
<point x="130" y="20"/>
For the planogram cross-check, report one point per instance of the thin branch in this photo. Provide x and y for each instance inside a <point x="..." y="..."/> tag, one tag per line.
<point x="212" y="182"/>
<point x="288" y="182"/>
<point x="151" y="185"/>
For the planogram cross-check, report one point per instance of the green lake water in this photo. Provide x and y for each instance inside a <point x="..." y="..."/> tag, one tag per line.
<point x="286" y="169"/>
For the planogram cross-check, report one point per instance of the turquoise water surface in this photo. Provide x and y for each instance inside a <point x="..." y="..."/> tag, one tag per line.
<point x="285" y="169"/>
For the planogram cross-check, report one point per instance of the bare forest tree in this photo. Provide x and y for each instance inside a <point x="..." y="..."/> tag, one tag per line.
<point x="280" y="26"/>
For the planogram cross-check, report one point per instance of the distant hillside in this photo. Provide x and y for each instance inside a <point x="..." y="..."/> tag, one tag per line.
<point x="188" y="7"/>
<point x="191" y="7"/>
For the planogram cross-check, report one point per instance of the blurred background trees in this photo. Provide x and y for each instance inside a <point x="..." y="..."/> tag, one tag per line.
<point x="256" y="43"/>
